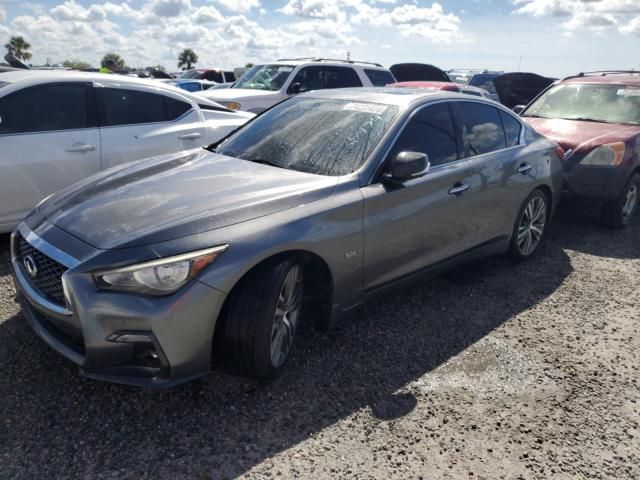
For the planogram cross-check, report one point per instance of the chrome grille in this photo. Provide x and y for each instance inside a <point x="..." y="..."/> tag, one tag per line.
<point x="48" y="278"/>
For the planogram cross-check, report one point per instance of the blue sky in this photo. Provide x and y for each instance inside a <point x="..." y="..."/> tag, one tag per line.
<point x="552" y="37"/>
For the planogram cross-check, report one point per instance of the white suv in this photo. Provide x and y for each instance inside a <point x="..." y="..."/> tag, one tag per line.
<point x="265" y="85"/>
<point x="57" y="128"/>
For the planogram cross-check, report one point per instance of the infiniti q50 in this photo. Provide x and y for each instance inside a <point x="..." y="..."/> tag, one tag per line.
<point x="152" y="273"/>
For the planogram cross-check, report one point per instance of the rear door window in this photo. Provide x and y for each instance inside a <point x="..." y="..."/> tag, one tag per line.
<point x="175" y="108"/>
<point x="379" y="78"/>
<point x="430" y="131"/>
<point x="482" y="130"/>
<point x="131" y="107"/>
<point x="512" y="129"/>
<point x="46" y="108"/>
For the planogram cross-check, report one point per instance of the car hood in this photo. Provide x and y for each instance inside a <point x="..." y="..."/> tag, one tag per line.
<point x="174" y="196"/>
<point x="580" y="135"/>
<point x="519" y="88"/>
<point x="237" y="94"/>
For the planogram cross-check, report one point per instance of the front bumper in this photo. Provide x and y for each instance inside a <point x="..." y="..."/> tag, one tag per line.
<point x="120" y="337"/>
<point x="595" y="182"/>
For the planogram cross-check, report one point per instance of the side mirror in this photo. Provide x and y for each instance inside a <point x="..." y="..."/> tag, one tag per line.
<point x="295" y="88"/>
<point x="406" y="166"/>
<point x="518" y="109"/>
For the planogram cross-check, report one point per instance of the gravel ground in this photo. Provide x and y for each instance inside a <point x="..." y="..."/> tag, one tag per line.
<point x="490" y="371"/>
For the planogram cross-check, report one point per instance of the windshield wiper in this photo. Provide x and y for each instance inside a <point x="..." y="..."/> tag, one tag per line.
<point x="586" y="119"/>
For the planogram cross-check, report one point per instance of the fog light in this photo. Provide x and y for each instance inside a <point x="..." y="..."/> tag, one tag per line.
<point x="145" y="353"/>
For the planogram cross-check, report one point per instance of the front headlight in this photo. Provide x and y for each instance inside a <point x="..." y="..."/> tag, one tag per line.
<point x="231" y="105"/>
<point x="607" y="155"/>
<point x="158" y="277"/>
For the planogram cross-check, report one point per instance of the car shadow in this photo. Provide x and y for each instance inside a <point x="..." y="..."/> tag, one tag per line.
<point x="222" y="426"/>
<point x="578" y="228"/>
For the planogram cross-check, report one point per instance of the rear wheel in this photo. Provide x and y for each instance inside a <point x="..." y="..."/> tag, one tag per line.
<point x="264" y="312"/>
<point x="618" y="214"/>
<point x="530" y="226"/>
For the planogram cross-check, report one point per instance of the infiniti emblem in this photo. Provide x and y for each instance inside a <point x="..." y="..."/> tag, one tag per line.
<point x="30" y="265"/>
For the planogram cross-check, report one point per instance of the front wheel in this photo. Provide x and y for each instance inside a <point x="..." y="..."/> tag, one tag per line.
<point x="530" y="226"/>
<point x="618" y="214"/>
<point x="261" y="322"/>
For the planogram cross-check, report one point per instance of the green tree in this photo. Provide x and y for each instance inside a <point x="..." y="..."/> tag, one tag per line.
<point x="19" y="47"/>
<point x="187" y="59"/>
<point x="75" y="64"/>
<point x="249" y="65"/>
<point x="112" y="59"/>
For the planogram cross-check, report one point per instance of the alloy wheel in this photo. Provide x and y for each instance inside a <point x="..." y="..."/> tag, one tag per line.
<point x="286" y="316"/>
<point x="532" y="224"/>
<point x="631" y="199"/>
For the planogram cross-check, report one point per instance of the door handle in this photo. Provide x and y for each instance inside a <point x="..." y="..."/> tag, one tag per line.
<point x="190" y="136"/>
<point x="81" y="148"/>
<point x="458" y="189"/>
<point x="524" y="168"/>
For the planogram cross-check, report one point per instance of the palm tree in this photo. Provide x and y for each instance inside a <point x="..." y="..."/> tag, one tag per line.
<point x="19" y="47"/>
<point x="113" y="60"/>
<point x="187" y="59"/>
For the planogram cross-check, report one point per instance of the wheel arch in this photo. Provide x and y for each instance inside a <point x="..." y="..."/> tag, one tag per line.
<point x="318" y="285"/>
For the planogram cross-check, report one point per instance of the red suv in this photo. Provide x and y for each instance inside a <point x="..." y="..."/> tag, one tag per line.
<point x="595" y="117"/>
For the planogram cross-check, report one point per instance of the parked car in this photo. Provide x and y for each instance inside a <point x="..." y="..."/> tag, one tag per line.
<point x="263" y="86"/>
<point x="476" y="78"/>
<point x="446" y="86"/>
<point x="144" y="274"/>
<point x="192" y="85"/>
<point x="415" y="72"/>
<point x="59" y="127"/>
<point x="211" y="74"/>
<point x="595" y="117"/>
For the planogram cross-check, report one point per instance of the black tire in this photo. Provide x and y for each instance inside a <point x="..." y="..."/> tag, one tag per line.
<point x="250" y="322"/>
<point x="618" y="214"/>
<point x="517" y="249"/>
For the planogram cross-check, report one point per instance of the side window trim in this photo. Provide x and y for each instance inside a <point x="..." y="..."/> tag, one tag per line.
<point x="90" y="112"/>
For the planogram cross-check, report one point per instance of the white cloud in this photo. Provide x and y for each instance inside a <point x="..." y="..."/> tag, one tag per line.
<point x="239" y="6"/>
<point x="632" y="27"/>
<point x="169" y="8"/>
<point x="594" y="15"/>
<point x="3" y="14"/>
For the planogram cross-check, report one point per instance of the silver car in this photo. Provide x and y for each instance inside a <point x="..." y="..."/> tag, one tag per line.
<point x="151" y="273"/>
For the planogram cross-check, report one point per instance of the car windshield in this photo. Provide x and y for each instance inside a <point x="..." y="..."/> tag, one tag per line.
<point x="190" y="74"/>
<point x="460" y="79"/>
<point x="589" y="102"/>
<point x="320" y="136"/>
<point x="265" y="77"/>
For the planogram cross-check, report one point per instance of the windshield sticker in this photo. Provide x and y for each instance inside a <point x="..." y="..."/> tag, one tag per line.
<point x="365" y="108"/>
<point x="629" y="92"/>
<point x="285" y="69"/>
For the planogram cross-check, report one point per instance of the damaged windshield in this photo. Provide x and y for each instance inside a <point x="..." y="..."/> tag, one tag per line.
<point x="589" y="102"/>
<point x="321" y="136"/>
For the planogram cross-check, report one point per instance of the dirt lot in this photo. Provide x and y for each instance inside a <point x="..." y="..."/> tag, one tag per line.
<point x="491" y="371"/>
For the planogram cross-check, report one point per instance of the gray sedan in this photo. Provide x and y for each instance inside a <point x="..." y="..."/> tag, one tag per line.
<point x="150" y="274"/>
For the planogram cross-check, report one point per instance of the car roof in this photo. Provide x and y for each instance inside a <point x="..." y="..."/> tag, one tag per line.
<point x="401" y="97"/>
<point x="610" y="79"/>
<point x="39" y="77"/>
<point x="326" y="61"/>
